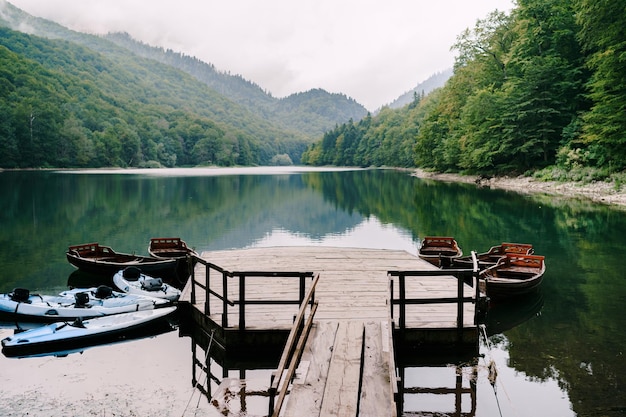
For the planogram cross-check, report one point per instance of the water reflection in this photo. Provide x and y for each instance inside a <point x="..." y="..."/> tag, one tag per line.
<point x="504" y="315"/>
<point x="229" y="383"/>
<point x="369" y="233"/>
<point x="429" y="384"/>
<point x="443" y="389"/>
<point x="576" y="342"/>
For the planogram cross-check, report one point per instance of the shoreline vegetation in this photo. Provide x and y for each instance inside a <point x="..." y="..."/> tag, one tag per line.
<point x="604" y="192"/>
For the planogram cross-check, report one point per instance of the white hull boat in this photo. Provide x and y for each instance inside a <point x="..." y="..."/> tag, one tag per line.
<point x="78" y="303"/>
<point x="81" y="332"/>
<point x="132" y="281"/>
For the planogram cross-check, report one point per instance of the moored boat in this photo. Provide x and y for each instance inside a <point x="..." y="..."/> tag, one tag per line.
<point x="169" y="247"/>
<point x="513" y="275"/>
<point x="439" y="251"/>
<point x="491" y="257"/>
<point x="132" y="281"/>
<point x="174" y="248"/>
<point x="81" y="332"/>
<point x="102" y="260"/>
<point x="21" y="305"/>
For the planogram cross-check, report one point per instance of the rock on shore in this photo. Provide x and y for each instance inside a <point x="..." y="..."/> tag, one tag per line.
<point x="600" y="192"/>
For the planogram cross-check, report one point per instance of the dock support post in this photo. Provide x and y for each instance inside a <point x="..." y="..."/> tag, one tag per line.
<point x="207" y="304"/>
<point x="225" y="300"/>
<point x="402" y="301"/>
<point x="459" y="310"/>
<point x="193" y="286"/>
<point x="242" y="302"/>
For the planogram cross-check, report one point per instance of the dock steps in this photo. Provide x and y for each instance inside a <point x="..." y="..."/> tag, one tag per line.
<point x="347" y="372"/>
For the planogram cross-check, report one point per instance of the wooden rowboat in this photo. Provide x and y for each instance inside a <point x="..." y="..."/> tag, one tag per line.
<point x="493" y="255"/>
<point x="169" y="247"/>
<point x="174" y="248"/>
<point x="104" y="261"/>
<point x="513" y="275"/>
<point x="439" y="251"/>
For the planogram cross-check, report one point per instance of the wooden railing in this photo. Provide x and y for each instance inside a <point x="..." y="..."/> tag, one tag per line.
<point x="293" y="351"/>
<point x="212" y="271"/>
<point x="462" y="276"/>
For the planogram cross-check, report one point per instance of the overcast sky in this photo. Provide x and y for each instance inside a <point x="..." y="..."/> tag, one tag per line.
<point x="372" y="51"/>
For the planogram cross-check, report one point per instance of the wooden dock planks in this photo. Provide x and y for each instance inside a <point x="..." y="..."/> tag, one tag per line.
<point x="307" y="391"/>
<point x="341" y="393"/>
<point x="377" y="388"/>
<point x="347" y="369"/>
<point x="347" y="365"/>
<point x="353" y="285"/>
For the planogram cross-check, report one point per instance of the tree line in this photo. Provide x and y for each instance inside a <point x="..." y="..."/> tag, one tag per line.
<point x="65" y="105"/>
<point x="541" y="86"/>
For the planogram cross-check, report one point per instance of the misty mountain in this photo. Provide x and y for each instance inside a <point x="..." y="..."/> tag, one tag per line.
<point x="312" y="112"/>
<point x="431" y="83"/>
<point x="70" y="99"/>
<point x="310" y="118"/>
<point x="73" y="100"/>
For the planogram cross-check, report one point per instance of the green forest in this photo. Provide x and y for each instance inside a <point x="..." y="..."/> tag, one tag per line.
<point x="540" y="88"/>
<point x="75" y="100"/>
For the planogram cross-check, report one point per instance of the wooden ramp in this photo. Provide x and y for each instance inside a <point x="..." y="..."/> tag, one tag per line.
<point x="346" y="370"/>
<point x="347" y="367"/>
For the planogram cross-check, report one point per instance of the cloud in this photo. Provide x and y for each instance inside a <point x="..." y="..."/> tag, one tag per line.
<point x="370" y="50"/>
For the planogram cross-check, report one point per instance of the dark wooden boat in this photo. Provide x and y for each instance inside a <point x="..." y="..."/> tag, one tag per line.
<point x="104" y="261"/>
<point x="174" y="248"/>
<point x="439" y="251"/>
<point x="169" y="247"/>
<point x="493" y="255"/>
<point x="513" y="275"/>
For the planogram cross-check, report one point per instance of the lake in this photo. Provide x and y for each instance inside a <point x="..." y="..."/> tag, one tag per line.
<point x="558" y="353"/>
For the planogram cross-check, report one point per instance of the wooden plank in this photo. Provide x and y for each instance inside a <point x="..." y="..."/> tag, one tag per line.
<point x="353" y="286"/>
<point x="377" y="392"/>
<point x="341" y="394"/>
<point x="305" y="398"/>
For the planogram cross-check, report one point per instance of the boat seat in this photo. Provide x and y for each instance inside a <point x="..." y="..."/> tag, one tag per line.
<point x="132" y="273"/>
<point x="20" y="295"/>
<point x="81" y="299"/>
<point x="103" y="292"/>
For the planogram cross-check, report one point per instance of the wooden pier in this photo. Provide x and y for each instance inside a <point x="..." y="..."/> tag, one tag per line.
<point x="364" y="302"/>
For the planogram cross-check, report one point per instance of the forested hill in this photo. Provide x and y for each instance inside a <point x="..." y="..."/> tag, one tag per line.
<point x="74" y="100"/>
<point x="540" y="87"/>
<point x="312" y="112"/>
<point x="425" y="87"/>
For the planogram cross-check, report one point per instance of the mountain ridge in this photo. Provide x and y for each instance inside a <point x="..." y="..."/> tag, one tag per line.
<point x="433" y="82"/>
<point x="113" y="101"/>
<point x="249" y="94"/>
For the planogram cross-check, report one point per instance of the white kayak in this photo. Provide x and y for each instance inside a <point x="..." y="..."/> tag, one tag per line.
<point x="132" y="281"/>
<point x="81" y="332"/>
<point x="77" y="303"/>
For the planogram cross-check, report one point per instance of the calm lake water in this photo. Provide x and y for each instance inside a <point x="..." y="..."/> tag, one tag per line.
<point x="559" y="353"/>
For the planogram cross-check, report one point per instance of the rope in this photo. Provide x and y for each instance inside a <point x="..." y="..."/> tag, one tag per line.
<point x="493" y="371"/>
<point x="206" y="357"/>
